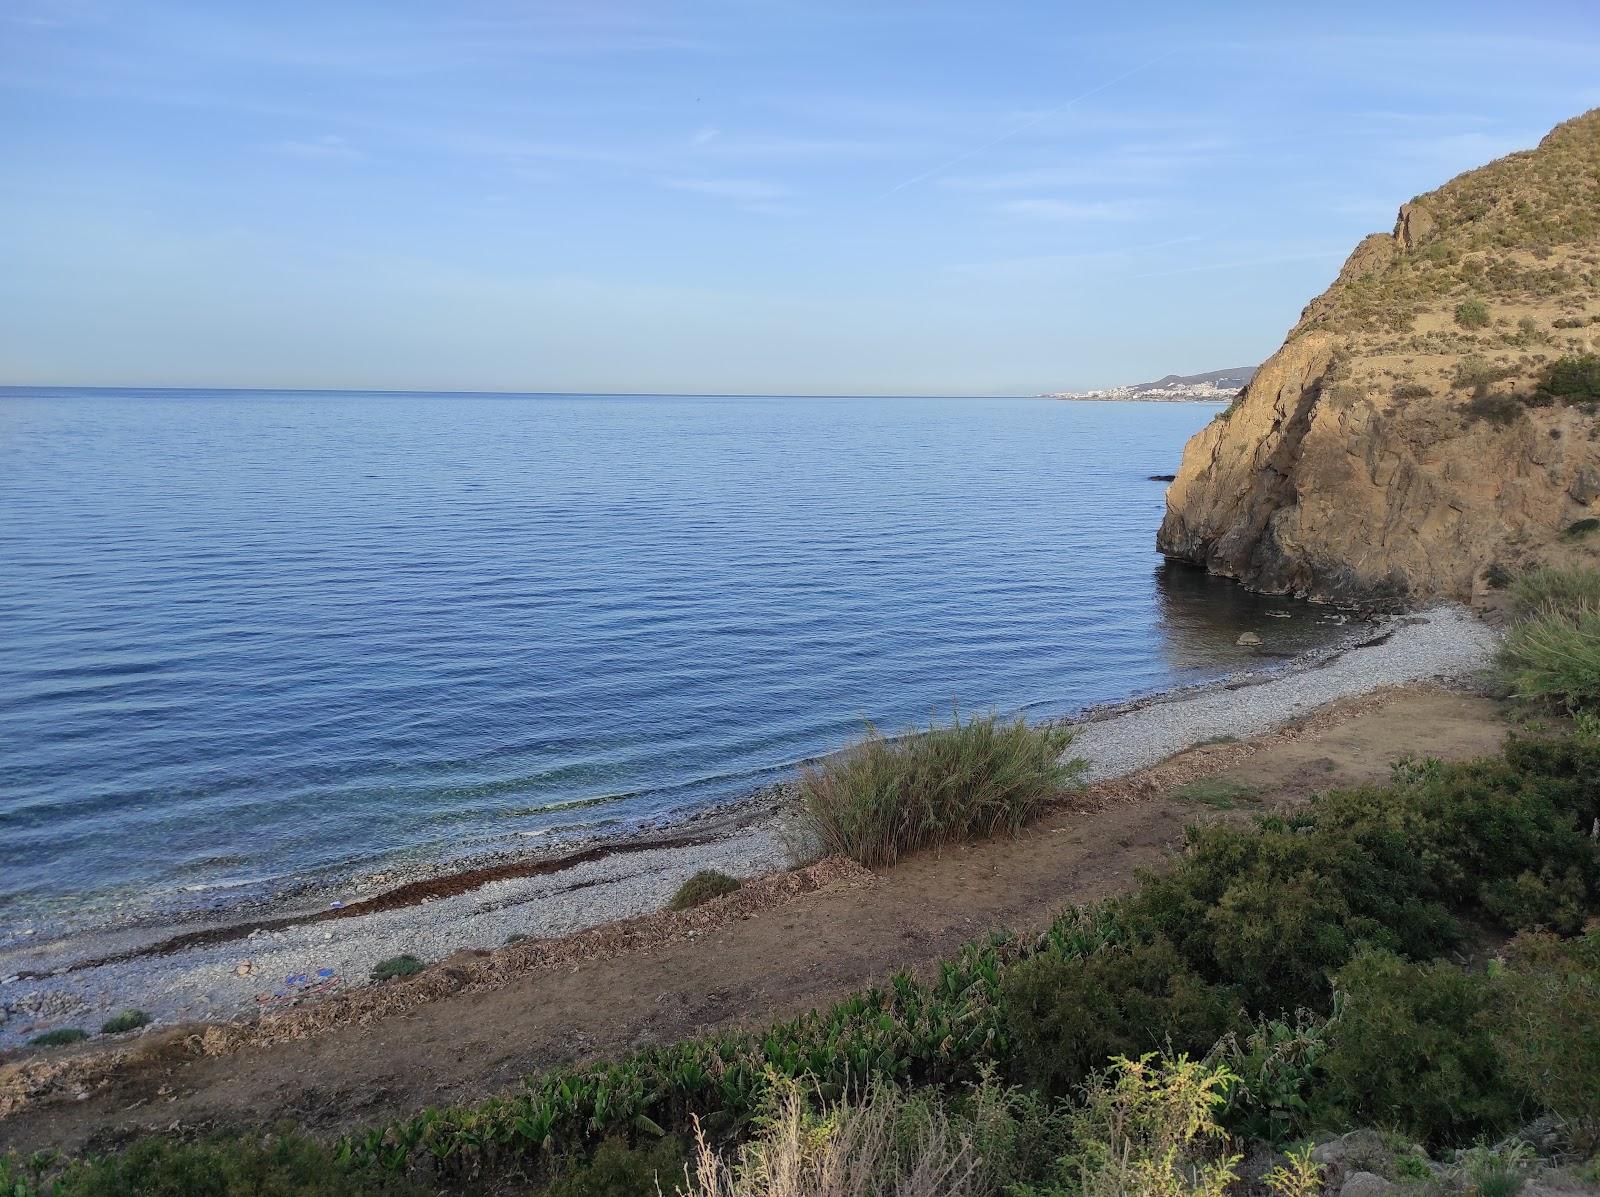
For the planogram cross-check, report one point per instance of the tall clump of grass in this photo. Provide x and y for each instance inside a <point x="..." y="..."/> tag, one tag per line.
<point x="1552" y="652"/>
<point x="881" y="1143"/>
<point x="885" y="798"/>
<point x="1564" y="590"/>
<point x="1554" y="655"/>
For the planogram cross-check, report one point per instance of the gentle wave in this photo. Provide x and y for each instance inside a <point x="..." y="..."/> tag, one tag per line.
<point x="300" y="632"/>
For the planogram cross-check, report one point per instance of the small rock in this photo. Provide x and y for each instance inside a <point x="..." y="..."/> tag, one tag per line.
<point x="1248" y="638"/>
<point x="243" y="969"/>
<point x="1365" y="1184"/>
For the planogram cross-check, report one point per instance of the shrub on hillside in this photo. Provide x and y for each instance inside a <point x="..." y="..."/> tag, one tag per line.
<point x="1474" y="371"/>
<point x="1068" y="1015"/>
<point x="1574" y="379"/>
<point x="1414" y="1049"/>
<point x="128" y="1020"/>
<point x="618" y="1170"/>
<point x="1495" y="840"/>
<point x="883" y="798"/>
<point x="59" y="1038"/>
<point x="277" y="1166"/>
<point x="1276" y="908"/>
<point x="1548" y="1027"/>
<point x="1472" y="313"/>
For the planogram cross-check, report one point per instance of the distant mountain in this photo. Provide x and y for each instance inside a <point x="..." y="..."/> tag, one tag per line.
<point x="1217" y="386"/>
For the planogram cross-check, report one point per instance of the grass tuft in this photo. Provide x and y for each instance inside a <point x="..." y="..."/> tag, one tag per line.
<point x="1554" y="655"/>
<point x="884" y="798"/>
<point x="59" y="1038"/>
<point x="128" y="1020"/>
<point x="1563" y="590"/>
<point x="405" y="965"/>
<point x="701" y="888"/>
<point x="1219" y="793"/>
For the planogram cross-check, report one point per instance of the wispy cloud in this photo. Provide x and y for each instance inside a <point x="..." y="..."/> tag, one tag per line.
<point x="328" y="147"/>
<point x="1059" y="209"/>
<point x="1030" y="122"/>
<point x="743" y="190"/>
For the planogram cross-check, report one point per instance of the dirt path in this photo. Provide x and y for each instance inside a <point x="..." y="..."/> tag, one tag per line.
<point x="813" y="947"/>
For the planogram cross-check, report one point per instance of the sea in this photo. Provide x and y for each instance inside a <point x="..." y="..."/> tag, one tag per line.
<point x="254" y="638"/>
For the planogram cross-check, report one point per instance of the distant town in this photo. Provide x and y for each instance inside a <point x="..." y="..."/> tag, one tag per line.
<point x="1219" y="386"/>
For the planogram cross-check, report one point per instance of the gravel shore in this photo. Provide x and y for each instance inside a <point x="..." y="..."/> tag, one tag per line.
<point x="40" y="989"/>
<point x="1446" y="643"/>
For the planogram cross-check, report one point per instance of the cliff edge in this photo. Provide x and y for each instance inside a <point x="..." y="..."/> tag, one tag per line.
<point x="1429" y="426"/>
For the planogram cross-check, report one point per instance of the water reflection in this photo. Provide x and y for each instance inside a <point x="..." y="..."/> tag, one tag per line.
<point x="1201" y="616"/>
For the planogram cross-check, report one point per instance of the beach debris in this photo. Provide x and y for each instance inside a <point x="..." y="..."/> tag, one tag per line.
<point x="11" y="980"/>
<point x="243" y="968"/>
<point x="1279" y="615"/>
<point x="299" y="986"/>
<point x="335" y="905"/>
<point x="1247" y="638"/>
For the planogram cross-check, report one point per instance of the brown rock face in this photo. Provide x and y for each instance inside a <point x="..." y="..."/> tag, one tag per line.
<point x="1402" y="445"/>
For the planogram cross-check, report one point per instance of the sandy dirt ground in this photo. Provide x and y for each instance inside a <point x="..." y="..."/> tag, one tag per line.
<point x="447" y="1037"/>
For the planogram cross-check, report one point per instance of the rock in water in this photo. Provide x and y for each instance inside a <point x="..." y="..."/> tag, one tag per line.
<point x="1418" y="427"/>
<point x="1248" y="638"/>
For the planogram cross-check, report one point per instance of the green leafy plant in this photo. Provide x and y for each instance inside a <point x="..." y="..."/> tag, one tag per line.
<point x="1472" y="313"/>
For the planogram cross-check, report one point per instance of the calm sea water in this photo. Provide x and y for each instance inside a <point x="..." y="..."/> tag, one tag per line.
<point x="246" y="637"/>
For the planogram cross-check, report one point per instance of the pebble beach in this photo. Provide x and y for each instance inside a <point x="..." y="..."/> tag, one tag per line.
<point x="244" y="970"/>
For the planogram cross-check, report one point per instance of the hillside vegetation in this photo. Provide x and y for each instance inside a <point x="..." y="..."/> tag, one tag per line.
<point x="1420" y="956"/>
<point x="1430" y="423"/>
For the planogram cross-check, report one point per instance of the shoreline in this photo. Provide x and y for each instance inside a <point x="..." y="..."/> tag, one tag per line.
<point x="233" y="969"/>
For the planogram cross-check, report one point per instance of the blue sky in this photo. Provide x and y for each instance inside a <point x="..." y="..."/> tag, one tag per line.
<point x="835" y="196"/>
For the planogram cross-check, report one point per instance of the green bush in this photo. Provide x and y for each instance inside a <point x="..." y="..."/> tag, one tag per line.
<point x="59" y="1038"/>
<point x="1278" y="907"/>
<point x="1565" y="590"/>
<point x="701" y="888"/>
<point x="1472" y="313"/>
<point x="1474" y="371"/>
<point x="1068" y="1016"/>
<point x="1573" y="379"/>
<point x="1578" y="529"/>
<point x="1406" y="391"/>
<point x="128" y="1020"/>
<point x="618" y="1170"/>
<point x="1495" y="839"/>
<point x="278" y="1166"/>
<point x="405" y="965"/>
<point x="1414" y="1049"/>
<point x="1555" y="656"/>
<point x="884" y="798"/>
<point x="1548" y="1027"/>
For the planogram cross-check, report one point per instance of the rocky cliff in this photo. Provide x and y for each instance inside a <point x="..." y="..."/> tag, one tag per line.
<point x="1429" y="426"/>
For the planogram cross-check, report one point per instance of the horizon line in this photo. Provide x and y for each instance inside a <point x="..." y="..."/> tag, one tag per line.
<point x="305" y="390"/>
